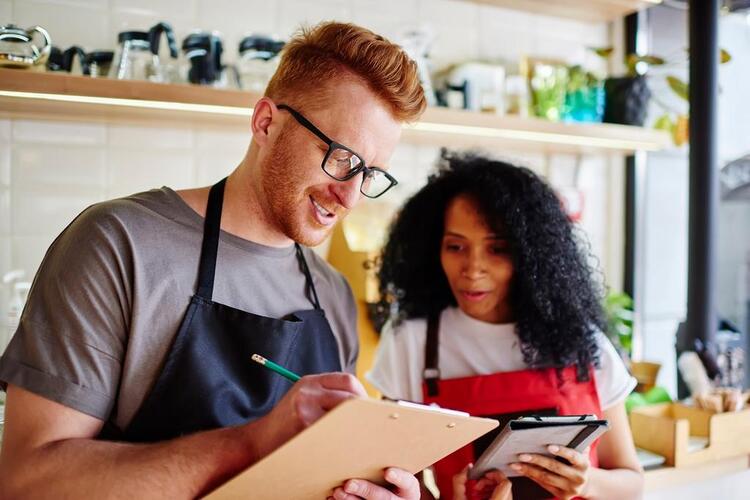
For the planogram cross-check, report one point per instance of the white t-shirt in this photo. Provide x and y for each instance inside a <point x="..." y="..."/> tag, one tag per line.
<point x="472" y="347"/>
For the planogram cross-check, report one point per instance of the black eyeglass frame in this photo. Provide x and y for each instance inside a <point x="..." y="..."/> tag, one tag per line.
<point x="332" y="146"/>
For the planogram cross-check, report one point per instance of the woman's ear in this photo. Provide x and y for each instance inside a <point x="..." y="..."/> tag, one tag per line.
<point x="263" y="115"/>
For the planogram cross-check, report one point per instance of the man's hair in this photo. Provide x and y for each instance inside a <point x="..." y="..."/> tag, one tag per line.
<point x="319" y="56"/>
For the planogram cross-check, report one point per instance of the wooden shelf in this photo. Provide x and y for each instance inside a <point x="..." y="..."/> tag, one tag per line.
<point x="583" y="10"/>
<point x="35" y="95"/>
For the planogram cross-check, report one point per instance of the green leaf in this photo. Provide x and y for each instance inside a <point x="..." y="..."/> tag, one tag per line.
<point x="652" y="60"/>
<point x="602" y="51"/>
<point x="725" y="56"/>
<point x="678" y="86"/>
<point x="664" y="122"/>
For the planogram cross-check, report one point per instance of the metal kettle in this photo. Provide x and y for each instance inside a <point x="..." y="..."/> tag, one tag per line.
<point x="18" y="50"/>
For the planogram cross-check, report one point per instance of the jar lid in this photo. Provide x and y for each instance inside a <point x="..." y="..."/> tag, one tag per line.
<point x="99" y="57"/>
<point x="124" y="36"/>
<point x="261" y="43"/>
<point x="201" y="40"/>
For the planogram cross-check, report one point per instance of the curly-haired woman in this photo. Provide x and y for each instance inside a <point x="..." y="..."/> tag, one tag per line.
<point x="499" y="316"/>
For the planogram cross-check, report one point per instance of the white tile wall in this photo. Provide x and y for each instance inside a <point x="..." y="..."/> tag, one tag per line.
<point x="86" y="24"/>
<point x="454" y="25"/>
<point x="4" y="164"/>
<point x="389" y="19"/>
<point x="212" y="166"/>
<point x="142" y="14"/>
<point x="296" y="12"/>
<point x="6" y="11"/>
<point x="133" y="171"/>
<point x="51" y="170"/>
<point x="52" y="166"/>
<point x="150" y="137"/>
<point x="27" y="253"/>
<point x="5" y="211"/>
<point x="504" y="34"/>
<point x="235" y="142"/>
<point x="57" y="132"/>
<point x="235" y="19"/>
<point x="4" y="131"/>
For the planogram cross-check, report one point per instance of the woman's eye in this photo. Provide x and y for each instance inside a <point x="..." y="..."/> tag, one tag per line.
<point x="452" y="247"/>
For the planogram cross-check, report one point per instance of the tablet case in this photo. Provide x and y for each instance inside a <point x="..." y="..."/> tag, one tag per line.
<point x="357" y="439"/>
<point x="533" y="435"/>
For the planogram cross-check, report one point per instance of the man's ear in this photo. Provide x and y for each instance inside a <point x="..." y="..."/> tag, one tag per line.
<point x="263" y="115"/>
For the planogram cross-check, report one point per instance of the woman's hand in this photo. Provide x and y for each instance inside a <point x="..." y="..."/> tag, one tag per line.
<point x="405" y="487"/>
<point x="562" y="480"/>
<point x="493" y="486"/>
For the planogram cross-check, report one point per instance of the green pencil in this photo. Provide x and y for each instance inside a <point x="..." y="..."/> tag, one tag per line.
<point x="274" y="367"/>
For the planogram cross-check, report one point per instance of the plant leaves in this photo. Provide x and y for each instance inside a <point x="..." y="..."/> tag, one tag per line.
<point x="602" y="51"/>
<point x="652" y="60"/>
<point x="664" y="122"/>
<point x="678" y="86"/>
<point x="725" y="56"/>
<point x="681" y="130"/>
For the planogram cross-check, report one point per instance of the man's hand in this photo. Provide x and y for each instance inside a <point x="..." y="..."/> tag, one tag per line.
<point x="405" y="487"/>
<point x="562" y="480"/>
<point x="308" y="400"/>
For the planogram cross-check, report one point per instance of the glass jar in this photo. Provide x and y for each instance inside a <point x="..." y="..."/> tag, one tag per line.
<point x="259" y="58"/>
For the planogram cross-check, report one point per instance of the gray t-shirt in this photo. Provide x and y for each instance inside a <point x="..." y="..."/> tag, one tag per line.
<point x="112" y="290"/>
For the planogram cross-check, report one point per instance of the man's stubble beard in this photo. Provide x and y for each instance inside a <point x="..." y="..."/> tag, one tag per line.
<point x="280" y="186"/>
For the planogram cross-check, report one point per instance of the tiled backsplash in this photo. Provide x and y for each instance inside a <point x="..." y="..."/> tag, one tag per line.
<point x="463" y="29"/>
<point x="51" y="170"/>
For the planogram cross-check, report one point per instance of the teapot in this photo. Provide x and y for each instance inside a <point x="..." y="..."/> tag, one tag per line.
<point x="18" y="50"/>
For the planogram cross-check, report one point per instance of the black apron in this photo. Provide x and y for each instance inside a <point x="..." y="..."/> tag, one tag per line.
<point x="208" y="380"/>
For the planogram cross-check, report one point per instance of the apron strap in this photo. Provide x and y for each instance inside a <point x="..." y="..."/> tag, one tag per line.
<point x="308" y="276"/>
<point x="210" y="247"/>
<point x="431" y="370"/>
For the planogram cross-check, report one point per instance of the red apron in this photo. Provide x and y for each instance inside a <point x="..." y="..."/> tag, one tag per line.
<point x="503" y="396"/>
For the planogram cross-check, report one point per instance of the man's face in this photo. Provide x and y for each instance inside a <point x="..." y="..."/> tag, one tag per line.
<point x="301" y="198"/>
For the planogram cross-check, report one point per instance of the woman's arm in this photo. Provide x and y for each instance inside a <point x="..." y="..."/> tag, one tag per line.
<point x="619" y="475"/>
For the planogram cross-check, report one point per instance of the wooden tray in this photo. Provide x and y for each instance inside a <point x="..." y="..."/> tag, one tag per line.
<point x="667" y="429"/>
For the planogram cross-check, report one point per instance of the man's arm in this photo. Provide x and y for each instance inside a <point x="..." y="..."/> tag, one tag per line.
<point x="49" y="449"/>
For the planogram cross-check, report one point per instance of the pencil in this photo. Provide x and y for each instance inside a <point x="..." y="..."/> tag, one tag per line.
<point x="274" y="367"/>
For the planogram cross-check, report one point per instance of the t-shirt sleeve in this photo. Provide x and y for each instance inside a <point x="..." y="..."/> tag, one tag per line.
<point x="390" y="373"/>
<point x="73" y="331"/>
<point x="613" y="381"/>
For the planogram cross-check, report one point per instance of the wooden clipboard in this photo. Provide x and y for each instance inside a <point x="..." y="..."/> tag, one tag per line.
<point x="357" y="439"/>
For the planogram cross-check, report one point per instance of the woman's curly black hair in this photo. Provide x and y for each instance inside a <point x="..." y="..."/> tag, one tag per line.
<point x="554" y="298"/>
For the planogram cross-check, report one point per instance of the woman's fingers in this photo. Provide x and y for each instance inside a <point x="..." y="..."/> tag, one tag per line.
<point x="502" y="491"/>
<point x="459" y="483"/>
<point x="577" y="459"/>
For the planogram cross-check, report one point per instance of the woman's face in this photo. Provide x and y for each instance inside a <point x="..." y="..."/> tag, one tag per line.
<point x="477" y="262"/>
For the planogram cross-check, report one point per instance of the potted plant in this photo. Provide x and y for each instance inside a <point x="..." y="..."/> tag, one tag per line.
<point x="618" y="307"/>
<point x="673" y="120"/>
<point x="628" y="96"/>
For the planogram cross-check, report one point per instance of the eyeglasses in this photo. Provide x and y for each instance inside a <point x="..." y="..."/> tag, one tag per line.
<point x="342" y="163"/>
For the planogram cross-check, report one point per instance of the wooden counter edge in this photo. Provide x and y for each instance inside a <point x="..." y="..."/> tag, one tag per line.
<point x="665" y="477"/>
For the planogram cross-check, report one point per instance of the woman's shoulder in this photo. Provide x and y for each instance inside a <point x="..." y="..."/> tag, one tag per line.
<point x="403" y="332"/>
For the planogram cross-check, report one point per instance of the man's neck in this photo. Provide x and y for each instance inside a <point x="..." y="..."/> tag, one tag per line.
<point x="242" y="213"/>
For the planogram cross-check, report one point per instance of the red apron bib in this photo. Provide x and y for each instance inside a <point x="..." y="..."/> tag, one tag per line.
<point x="503" y="396"/>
